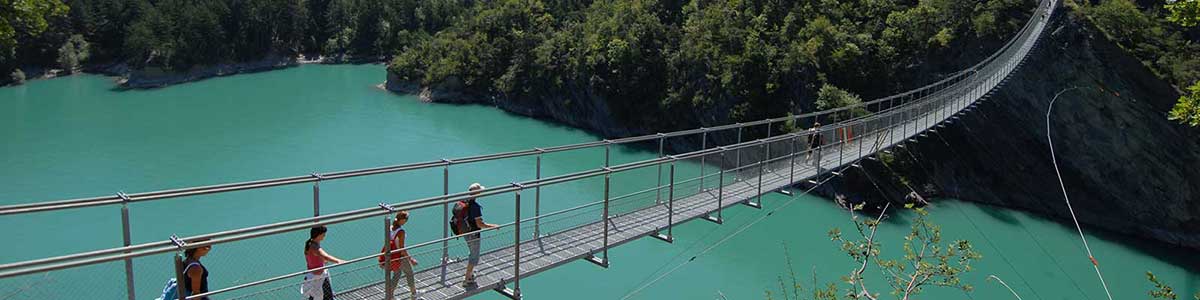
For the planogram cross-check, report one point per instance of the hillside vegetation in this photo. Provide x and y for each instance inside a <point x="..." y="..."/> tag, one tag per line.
<point x="758" y="58"/>
<point x="1163" y="37"/>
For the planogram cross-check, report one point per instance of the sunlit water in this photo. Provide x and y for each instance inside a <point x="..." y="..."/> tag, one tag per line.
<point x="75" y="137"/>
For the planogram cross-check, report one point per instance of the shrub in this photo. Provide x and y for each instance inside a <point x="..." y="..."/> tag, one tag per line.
<point x="17" y="76"/>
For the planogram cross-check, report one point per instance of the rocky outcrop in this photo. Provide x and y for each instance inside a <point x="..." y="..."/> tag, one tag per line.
<point x="1126" y="167"/>
<point x="579" y="108"/>
<point x="153" y="77"/>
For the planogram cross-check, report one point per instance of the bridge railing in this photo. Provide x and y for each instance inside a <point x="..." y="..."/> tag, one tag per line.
<point x="901" y="113"/>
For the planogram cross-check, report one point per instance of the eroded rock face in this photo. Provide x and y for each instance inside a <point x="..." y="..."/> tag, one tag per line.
<point x="1126" y="167"/>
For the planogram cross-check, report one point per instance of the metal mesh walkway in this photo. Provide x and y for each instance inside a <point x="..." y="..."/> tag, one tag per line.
<point x="546" y="252"/>
<point x="530" y="245"/>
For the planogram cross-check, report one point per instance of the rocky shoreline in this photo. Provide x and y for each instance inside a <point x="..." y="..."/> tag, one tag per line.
<point x="154" y="77"/>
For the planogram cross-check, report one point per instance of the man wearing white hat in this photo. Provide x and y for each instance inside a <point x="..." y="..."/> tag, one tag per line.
<point x="475" y="218"/>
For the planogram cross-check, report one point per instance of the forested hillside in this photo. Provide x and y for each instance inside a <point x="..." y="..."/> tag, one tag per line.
<point x="180" y="34"/>
<point x="753" y="59"/>
<point x="1163" y="37"/>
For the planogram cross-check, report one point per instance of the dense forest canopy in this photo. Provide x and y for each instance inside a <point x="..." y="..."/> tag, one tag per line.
<point x="180" y="34"/>
<point x="754" y="57"/>
<point x="749" y="57"/>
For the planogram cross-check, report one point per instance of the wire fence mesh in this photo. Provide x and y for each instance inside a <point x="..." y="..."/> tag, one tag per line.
<point x="557" y="210"/>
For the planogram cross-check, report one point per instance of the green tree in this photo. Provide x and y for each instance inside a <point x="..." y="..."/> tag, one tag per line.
<point x="17" y="76"/>
<point x="1162" y="290"/>
<point x="831" y="97"/>
<point x="73" y="53"/>
<point x="1184" y="12"/>
<point x="24" y="17"/>
<point x="1187" y="111"/>
<point x="926" y="261"/>
<point x="1159" y="45"/>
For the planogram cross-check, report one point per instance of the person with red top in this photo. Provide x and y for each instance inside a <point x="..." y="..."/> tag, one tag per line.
<point x="399" y="258"/>
<point x="316" y="283"/>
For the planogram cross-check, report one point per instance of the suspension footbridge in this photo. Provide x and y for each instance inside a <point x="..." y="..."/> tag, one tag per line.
<point x="695" y="185"/>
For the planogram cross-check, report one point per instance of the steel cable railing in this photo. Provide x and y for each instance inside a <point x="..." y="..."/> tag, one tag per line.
<point x="893" y="120"/>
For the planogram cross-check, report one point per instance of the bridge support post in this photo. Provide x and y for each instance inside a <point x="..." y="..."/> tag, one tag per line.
<point x="387" y="254"/>
<point x="703" y="145"/>
<point x="516" y="291"/>
<point x="891" y="121"/>
<point x="537" y="198"/>
<point x="738" y="154"/>
<point x="761" y="166"/>
<point x="178" y="258"/>
<point x="859" y="140"/>
<point x="720" y="192"/>
<point x="603" y="260"/>
<point x="607" y="204"/>
<point x="670" y="207"/>
<point x="445" y="218"/>
<point x="769" y="123"/>
<point x="317" y="195"/>
<point x="127" y="240"/>
<point x="792" y="160"/>
<point x="658" y="190"/>
<point x="842" y="146"/>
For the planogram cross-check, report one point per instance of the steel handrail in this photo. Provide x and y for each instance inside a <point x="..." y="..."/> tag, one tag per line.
<point x="266" y="183"/>
<point x="247" y="233"/>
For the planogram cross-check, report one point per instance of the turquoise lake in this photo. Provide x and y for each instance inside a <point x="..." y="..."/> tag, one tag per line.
<point x="77" y="137"/>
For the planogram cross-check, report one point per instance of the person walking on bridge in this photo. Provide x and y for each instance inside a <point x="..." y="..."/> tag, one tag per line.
<point x="468" y="217"/>
<point x="400" y="260"/>
<point x="316" y="283"/>
<point x="195" y="279"/>
<point x="814" y="145"/>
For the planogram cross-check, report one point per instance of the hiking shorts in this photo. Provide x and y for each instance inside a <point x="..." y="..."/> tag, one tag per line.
<point x="473" y="246"/>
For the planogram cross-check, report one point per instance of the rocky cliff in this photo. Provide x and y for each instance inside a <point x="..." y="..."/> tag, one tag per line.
<point x="1127" y="168"/>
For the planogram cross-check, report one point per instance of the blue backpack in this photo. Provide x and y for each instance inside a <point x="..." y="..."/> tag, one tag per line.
<point x="171" y="289"/>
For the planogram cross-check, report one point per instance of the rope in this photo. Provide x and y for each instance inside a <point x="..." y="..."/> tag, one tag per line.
<point x="1033" y="237"/>
<point x="1062" y="185"/>
<point x="1006" y="286"/>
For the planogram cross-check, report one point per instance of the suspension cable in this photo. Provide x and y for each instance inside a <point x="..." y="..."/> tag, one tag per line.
<point x="1057" y="264"/>
<point x="1063" y="186"/>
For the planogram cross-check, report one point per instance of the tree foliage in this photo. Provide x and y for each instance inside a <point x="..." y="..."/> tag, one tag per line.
<point x="1162" y="290"/>
<point x="1187" y="111"/>
<point x="751" y="58"/>
<point x="831" y="97"/>
<point x="1158" y="42"/>
<point x="1184" y="12"/>
<point x="24" y="18"/>
<point x="17" y="76"/>
<point x="926" y="261"/>
<point x="72" y="53"/>
<point x="181" y="34"/>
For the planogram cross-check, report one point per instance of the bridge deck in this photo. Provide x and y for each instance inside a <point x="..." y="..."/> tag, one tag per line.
<point x="495" y="268"/>
<point x="537" y="255"/>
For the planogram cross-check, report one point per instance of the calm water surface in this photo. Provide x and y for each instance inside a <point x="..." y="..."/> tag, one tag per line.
<point x="75" y="137"/>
